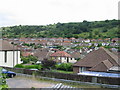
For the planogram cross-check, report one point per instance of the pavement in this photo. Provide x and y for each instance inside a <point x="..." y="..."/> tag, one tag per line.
<point x="19" y="82"/>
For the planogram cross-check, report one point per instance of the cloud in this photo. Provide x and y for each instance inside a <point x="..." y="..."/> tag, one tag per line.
<point x="6" y="19"/>
<point x="41" y="12"/>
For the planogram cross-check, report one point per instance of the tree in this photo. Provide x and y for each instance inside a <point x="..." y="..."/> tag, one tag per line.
<point x="64" y="66"/>
<point x="48" y="64"/>
<point x="32" y="58"/>
<point x="25" y="60"/>
<point x="90" y="35"/>
<point x="65" y="29"/>
<point x="28" y="59"/>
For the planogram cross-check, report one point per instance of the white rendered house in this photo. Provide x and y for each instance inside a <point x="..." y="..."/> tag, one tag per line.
<point x="62" y="57"/>
<point x="9" y="54"/>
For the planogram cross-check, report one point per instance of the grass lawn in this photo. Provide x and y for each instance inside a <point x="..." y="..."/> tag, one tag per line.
<point x="61" y="71"/>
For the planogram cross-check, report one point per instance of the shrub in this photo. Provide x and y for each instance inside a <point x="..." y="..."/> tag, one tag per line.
<point x="48" y="63"/>
<point x="19" y="66"/>
<point x="28" y="59"/>
<point x="33" y="66"/>
<point x="28" y="66"/>
<point x="64" y="66"/>
<point x="3" y="84"/>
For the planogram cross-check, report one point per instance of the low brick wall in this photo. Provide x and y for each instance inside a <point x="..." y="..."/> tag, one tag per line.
<point x="75" y="77"/>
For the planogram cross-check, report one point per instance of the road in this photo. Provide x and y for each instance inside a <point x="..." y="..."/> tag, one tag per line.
<point x="20" y="82"/>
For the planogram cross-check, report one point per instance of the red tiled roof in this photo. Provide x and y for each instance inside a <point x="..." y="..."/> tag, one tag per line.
<point x="26" y="53"/>
<point x="60" y="38"/>
<point x="67" y="41"/>
<point x="60" y="54"/>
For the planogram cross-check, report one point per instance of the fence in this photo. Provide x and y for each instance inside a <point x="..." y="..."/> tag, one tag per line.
<point x="75" y="77"/>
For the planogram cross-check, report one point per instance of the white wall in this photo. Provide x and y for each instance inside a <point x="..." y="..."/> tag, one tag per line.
<point x="64" y="60"/>
<point x="72" y="60"/>
<point x="11" y="55"/>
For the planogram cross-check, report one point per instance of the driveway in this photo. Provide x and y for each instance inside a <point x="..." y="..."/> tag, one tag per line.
<point x="21" y="82"/>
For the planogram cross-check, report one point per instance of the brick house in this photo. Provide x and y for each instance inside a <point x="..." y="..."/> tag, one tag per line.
<point x="100" y="60"/>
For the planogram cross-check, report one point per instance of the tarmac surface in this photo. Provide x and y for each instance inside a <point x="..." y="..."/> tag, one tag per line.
<point x="19" y="82"/>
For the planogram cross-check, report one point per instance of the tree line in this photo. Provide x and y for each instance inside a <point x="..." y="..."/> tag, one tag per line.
<point x="85" y="29"/>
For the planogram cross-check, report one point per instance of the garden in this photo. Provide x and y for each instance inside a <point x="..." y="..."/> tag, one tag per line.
<point x="49" y="65"/>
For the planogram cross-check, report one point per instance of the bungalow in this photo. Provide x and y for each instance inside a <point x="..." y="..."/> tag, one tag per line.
<point x="42" y="54"/>
<point x="9" y="54"/>
<point x="101" y="60"/>
<point x="62" y="57"/>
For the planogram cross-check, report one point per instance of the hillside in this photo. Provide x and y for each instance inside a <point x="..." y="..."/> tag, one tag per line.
<point x="85" y="29"/>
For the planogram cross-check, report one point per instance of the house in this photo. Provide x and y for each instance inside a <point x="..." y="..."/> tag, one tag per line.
<point x="62" y="57"/>
<point x="9" y="54"/>
<point x="75" y="55"/>
<point x="115" y="39"/>
<point x="101" y="60"/>
<point x="42" y="54"/>
<point x="87" y="40"/>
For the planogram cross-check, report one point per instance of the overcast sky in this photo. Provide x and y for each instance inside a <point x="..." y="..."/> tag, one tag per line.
<point x="42" y="12"/>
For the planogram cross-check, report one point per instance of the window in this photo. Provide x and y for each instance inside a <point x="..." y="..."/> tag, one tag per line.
<point x="5" y="56"/>
<point x="81" y="69"/>
<point x="67" y="59"/>
<point x="60" y="58"/>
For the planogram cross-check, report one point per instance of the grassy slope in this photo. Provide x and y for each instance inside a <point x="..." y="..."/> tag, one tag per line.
<point x="85" y="29"/>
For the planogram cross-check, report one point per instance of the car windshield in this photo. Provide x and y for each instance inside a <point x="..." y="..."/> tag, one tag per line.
<point x="4" y="70"/>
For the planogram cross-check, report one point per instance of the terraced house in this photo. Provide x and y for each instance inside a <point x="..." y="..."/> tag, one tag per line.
<point x="9" y="54"/>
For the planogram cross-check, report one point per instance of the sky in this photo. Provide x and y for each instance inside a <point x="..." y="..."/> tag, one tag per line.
<point x="43" y="12"/>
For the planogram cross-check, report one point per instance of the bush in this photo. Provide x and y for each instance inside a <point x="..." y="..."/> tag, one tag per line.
<point x="28" y="59"/>
<point x="19" y="66"/>
<point x="48" y="64"/>
<point x="3" y="84"/>
<point x="28" y="66"/>
<point x="33" y="67"/>
<point x="64" y="66"/>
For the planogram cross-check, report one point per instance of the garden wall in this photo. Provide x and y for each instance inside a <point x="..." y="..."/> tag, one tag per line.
<point x="75" y="77"/>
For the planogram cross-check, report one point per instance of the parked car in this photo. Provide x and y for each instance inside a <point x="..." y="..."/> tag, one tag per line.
<point x="34" y="69"/>
<point x="9" y="73"/>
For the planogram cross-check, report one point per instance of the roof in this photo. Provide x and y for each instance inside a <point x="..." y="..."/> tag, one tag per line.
<point x="100" y="74"/>
<point x="67" y="41"/>
<point x="5" y="45"/>
<point x="26" y="53"/>
<point x="96" y="57"/>
<point x="75" y="55"/>
<point x="60" y="54"/>
<point x="103" y="66"/>
<point x="42" y="54"/>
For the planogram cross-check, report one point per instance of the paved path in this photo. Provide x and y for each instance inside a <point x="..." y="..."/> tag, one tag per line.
<point x="18" y="82"/>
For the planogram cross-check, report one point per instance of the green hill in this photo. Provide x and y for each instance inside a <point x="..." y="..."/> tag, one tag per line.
<point x="85" y="29"/>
